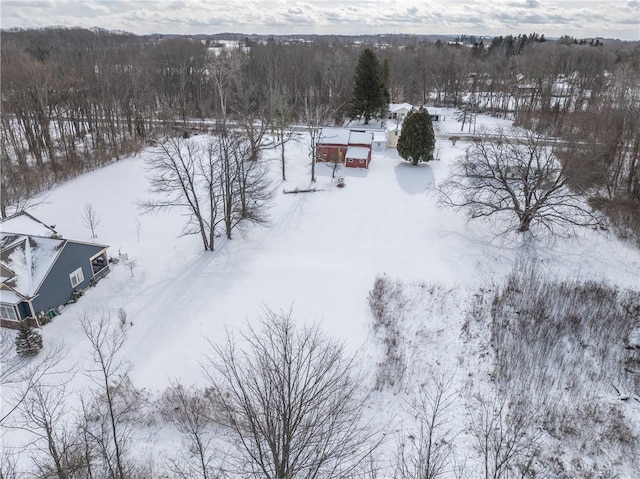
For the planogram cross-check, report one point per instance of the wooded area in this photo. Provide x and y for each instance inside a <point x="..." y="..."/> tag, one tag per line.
<point x="75" y="99"/>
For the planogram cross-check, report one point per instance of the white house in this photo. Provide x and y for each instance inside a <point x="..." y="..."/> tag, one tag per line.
<point x="379" y="140"/>
<point x="399" y="111"/>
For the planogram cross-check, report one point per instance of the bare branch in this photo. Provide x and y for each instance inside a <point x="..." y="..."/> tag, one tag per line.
<point x="516" y="173"/>
<point x="291" y="401"/>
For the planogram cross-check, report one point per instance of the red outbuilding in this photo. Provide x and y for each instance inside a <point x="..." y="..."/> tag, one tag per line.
<point x="351" y="148"/>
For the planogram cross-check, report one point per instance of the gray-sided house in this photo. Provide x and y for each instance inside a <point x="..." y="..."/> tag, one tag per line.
<point x="40" y="270"/>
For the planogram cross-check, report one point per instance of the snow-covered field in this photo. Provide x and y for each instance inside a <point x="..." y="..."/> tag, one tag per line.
<point x="318" y="257"/>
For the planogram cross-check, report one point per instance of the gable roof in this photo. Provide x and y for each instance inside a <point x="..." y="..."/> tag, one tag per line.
<point x="360" y="137"/>
<point x="358" y="153"/>
<point x="26" y="257"/>
<point x="30" y="258"/>
<point x="380" y="135"/>
<point x="8" y="296"/>
<point x="334" y="136"/>
<point x="344" y="137"/>
<point x="395" y="107"/>
<point x="23" y="223"/>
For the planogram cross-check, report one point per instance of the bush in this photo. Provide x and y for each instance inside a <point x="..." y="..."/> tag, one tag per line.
<point x="28" y="340"/>
<point x="386" y="301"/>
<point x="76" y="294"/>
<point x="563" y="347"/>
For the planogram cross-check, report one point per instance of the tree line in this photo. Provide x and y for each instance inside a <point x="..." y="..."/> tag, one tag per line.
<point x="75" y="99"/>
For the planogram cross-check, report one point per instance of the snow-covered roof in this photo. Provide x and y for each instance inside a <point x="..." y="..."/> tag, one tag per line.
<point x="360" y="138"/>
<point x="9" y="297"/>
<point x="344" y="136"/>
<point x="24" y="223"/>
<point x="30" y="258"/>
<point x="379" y="136"/>
<point x="357" y="153"/>
<point x="334" y="136"/>
<point x="395" y="107"/>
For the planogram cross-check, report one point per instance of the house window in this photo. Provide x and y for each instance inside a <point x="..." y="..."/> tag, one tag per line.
<point x="8" y="312"/>
<point x="76" y="277"/>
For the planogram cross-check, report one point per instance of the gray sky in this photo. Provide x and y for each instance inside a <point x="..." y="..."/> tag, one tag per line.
<point x="579" y="18"/>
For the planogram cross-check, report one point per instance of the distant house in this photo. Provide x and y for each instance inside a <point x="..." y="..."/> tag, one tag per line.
<point x="40" y="270"/>
<point x="399" y="111"/>
<point x="379" y="140"/>
<point x="342" y="145"/>
<point x="392" y="137"/>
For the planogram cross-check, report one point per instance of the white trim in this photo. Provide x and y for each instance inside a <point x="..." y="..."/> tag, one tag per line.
<point x="77" y="275"/>
<point x="12" y="308"/>
<point x="53" y="263"/>
<point x="104" y="251"/>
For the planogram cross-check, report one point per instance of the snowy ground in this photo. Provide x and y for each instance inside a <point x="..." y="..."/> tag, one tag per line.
<point x="319" y="257"/>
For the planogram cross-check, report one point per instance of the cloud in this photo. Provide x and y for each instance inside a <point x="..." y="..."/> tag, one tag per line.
<point x="498" y="17"/>
<point x="27" y="4"/>
<point x="525" y="4"/>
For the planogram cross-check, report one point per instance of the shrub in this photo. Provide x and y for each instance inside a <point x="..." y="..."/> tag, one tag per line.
<point x="563" y="347"/>
<point x="28" y="340"/>
<point x="386" y="301"/>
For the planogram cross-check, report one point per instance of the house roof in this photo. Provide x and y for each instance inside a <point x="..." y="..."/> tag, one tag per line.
<point x="9" y="297"/>
<point x="380" y="136"/>
<point x="360" y="138"/>
<point x="344" y="137"/>
<point x="30" y="258"/>
<point x="358" y="153"/>
<point x="28" y="250"/>
<point x="334" y="136"/>
<point x="23" y="223"/>
<point x="395" y="107"/>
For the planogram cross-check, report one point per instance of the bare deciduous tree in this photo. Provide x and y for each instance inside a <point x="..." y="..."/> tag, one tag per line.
<point x="241" y="184"/>
<point x="190" y="411"/>
<point x="8" y="467"/>
<point x="425" y="450"/>
<point x="217" y="184"/>
<point x="55" y="449"/>
<point x="90" y="219"/>
<point x="291" y="402"/>
<point x="175" y="177"/>
<point x="516" y="173"/>
<point x="26" y="372"/>
<point x="116" y="403"/>
<point x="281" y="121"/>
<point x="27" y="403"/>
<point x="505" y="437"/>
<point x="315" y="116"/>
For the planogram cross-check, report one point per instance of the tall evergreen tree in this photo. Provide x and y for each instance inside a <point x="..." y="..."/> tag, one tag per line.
<point x="369" y="99"/>
<point x="385" y="72"/>
<point x="28" y="340"/>
<point x="417" y="140"/>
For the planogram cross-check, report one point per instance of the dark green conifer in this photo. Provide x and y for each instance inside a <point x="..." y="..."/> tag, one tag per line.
<point x="369" y="98"/>
<point x="417" y="141"/>
<point x="28" y="340"/>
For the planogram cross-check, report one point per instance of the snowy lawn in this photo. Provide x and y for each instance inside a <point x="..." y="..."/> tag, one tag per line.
<point x="319" y="257"/>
